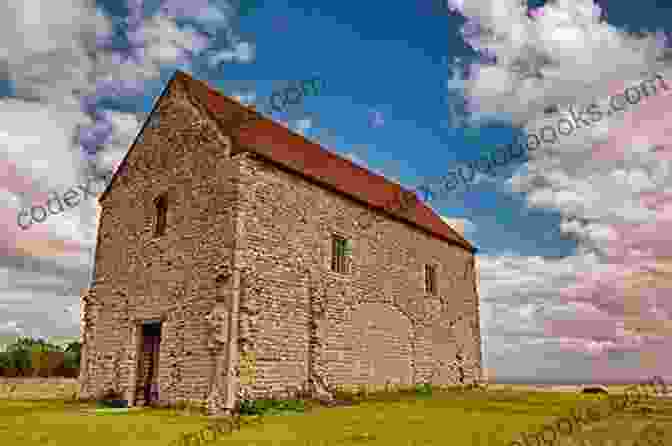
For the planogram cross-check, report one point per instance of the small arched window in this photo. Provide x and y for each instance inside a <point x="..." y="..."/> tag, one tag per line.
<point x="161" y="205"/>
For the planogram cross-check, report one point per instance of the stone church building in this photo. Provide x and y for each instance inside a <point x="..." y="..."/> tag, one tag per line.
<point x="237" y="259"/>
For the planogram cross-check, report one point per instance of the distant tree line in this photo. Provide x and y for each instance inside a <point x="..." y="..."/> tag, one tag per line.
<point x="37" y="357"/>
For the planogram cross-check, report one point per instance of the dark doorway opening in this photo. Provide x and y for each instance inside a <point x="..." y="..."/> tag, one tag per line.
<point x="149" y="363"/>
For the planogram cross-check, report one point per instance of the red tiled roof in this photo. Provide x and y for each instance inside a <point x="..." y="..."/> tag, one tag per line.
<point x="279" y="144"/>
<point x="282" y="146"/>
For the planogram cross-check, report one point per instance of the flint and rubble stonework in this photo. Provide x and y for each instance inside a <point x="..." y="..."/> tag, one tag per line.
<point x="242" y="279"/>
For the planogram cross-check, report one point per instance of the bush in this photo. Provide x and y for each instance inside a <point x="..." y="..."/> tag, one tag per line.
<point x="5" y="360"/>
<point x="37" y="357"/>
<point x="26" y="343"/>
<point x="30" y="357"/>
<point x="73" y="357"/>
<point x="71" y="360"/>
<point x="390" y="393"/>
<point x="74" y="347"/>
<point x="251" y="407"/>
<point x="423" y="389"/>
<point x="19" y="358"/>
<point x="270" y="406"/>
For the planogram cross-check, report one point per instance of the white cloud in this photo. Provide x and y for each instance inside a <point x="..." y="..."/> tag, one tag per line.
<point x="51" y="56"/>
<point x="49" y="157"/>
<point x="242" y="52"/>
<point x="597" y="179"/>
<point x="11" y="327"/>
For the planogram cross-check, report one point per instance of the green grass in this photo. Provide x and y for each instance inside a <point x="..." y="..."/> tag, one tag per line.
<point x="444" y="418"/>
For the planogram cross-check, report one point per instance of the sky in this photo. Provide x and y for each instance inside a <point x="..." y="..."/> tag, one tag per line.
<point x="572" y="236"/>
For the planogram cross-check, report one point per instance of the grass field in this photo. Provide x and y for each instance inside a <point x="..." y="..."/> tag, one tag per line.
<point x="445" y="418"/>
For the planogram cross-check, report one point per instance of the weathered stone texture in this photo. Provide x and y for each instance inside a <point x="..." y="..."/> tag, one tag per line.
<point x="142" y="277"/>
<point x="365" y="318"/>
<point x="243" y="283"/>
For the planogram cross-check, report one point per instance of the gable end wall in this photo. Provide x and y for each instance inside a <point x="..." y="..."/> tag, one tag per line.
<point x="139" y="277"/>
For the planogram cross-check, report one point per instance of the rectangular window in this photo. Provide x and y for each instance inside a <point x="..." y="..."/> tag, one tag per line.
<point x="430" y="279"/>
<point x="339" y="254"/>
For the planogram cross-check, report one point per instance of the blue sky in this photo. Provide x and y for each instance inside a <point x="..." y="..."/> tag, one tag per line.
<point x="402" y="53"/>
<point x="540" y="222"/>
<point x="412" y="46"/>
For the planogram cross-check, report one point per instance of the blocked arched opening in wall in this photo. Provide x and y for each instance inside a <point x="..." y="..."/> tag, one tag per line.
<point x="445" y="351"/>
<point x="454" y="355"/>
<point x="380" y="340"/>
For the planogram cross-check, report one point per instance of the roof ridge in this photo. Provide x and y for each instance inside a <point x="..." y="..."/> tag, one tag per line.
<point x="423" y="216"/>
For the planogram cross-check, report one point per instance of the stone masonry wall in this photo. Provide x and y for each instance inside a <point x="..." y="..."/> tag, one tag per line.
<point x="379" y="309"/>
<point x="300" y="324"/>
<point x="179" y="276"/>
